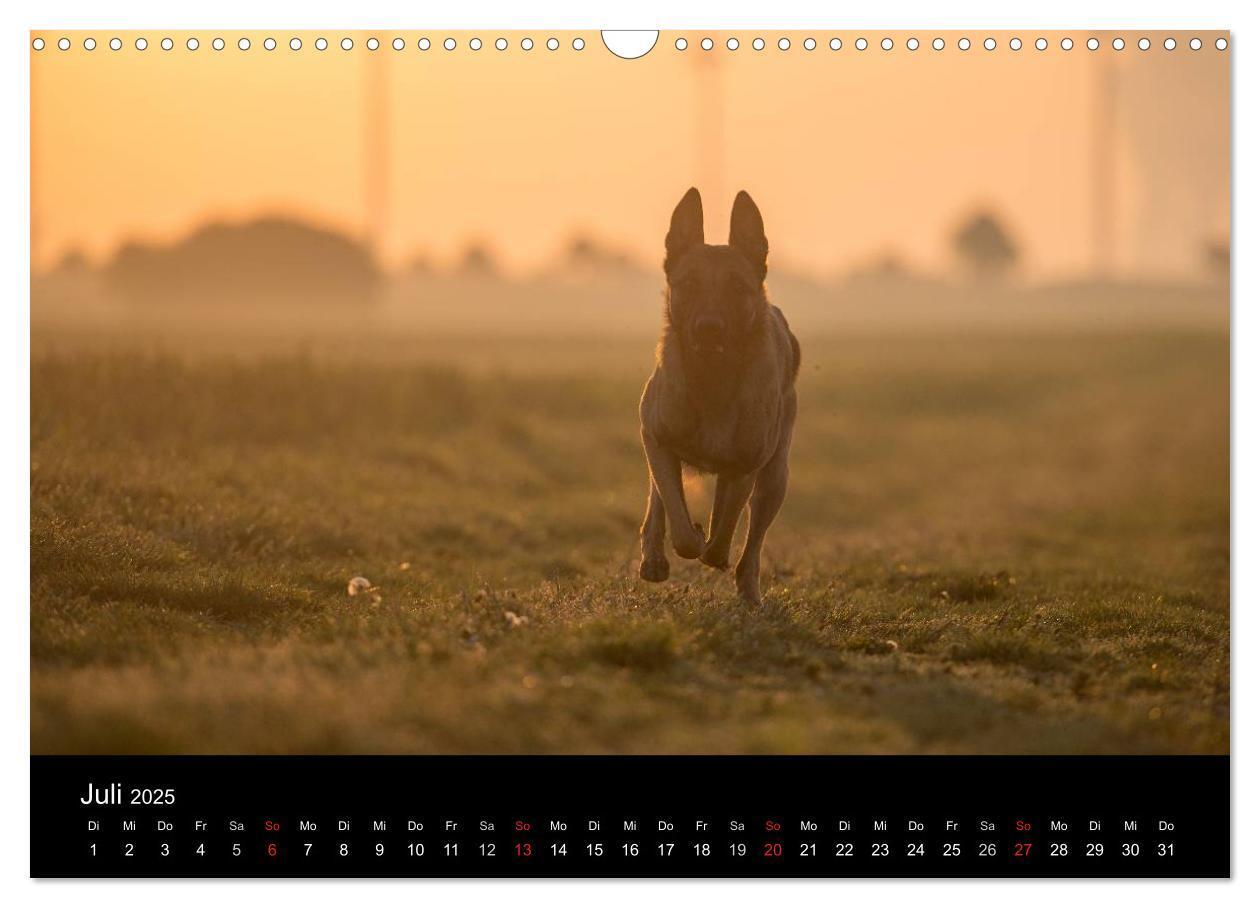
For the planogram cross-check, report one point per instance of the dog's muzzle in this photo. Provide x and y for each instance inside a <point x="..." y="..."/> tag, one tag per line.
<point x="708" y="334"/>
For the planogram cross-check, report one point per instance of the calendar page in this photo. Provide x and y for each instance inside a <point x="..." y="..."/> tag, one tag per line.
<point x="679" y="453"/>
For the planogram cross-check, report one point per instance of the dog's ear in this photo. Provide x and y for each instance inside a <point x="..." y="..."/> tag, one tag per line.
<point x="686" y="228"/>
<point x="748" y="233"/>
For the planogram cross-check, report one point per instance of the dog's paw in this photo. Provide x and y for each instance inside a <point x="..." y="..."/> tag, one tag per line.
<point x="691" y="546"/>
<point x="717" y="560"/>
<point x="749" y="585"/>
<point x="654" y="570"/>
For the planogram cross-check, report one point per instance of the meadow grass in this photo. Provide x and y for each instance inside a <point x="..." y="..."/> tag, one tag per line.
<point x="989" y="545"/>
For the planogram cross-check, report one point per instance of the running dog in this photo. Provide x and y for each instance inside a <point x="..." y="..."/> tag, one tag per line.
<point x="722" y="397"/>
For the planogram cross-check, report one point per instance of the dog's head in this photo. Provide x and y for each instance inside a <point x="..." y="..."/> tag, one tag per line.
<point x="716" y="294"/>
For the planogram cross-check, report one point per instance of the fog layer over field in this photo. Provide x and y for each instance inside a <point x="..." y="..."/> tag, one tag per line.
<point x="1007" y="530"/>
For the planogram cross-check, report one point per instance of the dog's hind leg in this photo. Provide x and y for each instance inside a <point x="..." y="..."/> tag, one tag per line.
<point x="729" y="498"/>
<point x="666" y="469"/>
<point x="654" y="566"/>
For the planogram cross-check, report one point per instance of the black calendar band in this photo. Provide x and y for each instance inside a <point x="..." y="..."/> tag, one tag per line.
<point x="622" y="816"/>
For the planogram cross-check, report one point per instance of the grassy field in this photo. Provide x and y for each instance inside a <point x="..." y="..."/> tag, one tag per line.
<point x="994" y="545"/>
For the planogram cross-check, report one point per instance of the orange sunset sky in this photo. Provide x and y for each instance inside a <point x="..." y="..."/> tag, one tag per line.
<point x="850" y="154"/>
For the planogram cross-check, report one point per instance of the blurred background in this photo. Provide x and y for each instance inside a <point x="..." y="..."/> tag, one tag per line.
<point x="413" y="192"/>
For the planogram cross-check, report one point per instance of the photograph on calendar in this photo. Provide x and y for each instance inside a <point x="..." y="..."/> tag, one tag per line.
<point x="767" y="393"/>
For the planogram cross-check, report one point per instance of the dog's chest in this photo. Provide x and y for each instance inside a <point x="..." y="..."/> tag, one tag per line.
<point x="731" y="434"/>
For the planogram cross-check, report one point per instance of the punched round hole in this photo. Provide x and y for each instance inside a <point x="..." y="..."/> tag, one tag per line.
<point x="886" y="44"/>
<point x="579" y="44"/>
<point x="912" y="43"/>
<point x="1066" y="44"/>
<point x="759" y="43"/>
<point x="398" y="44"/>
<point x="1170" y="44"/>
<point x="500" y="43"/>
<point x="63" y="44"/>
<point x="1041" y="44"/>
<point x="1016" y="44"/>
<point x="296" y="44"/>
<point x="860" y="44"/>
<point x="218" y="44"/>
<point x="38" y="44"/>
<point x="1221" y="44"/>
<point x="167" y="44"/>
<point x="193" y="44"/>
<point x="1092" y="44"/>
<point x="629" y="44"/>
<point x="989" y="44"/>
<point x="553" y="44"/>
<point x="141" y="44"/>
<point x="474" y="44"/>
<point x="1195" y="44"/>
<point x="449" y="43"/>
<point x="373" y="44"/>
<point x="1144" y="44"/>
<point x="89" y="44"/>
<point x="680" y="44"/>
<point x="1117" y="43"/>
<point x="424" y="44"/>
<point x="706" y="44"/>
<point x="732" y="44"/>
<point x="834" y="44"/>
<point x="321" y="44"/>
<point x="964" y="43"/>
<point x="115" y="43"/>
<point x="784" y="44"/>
<point x="809" y="44"/>
<point x="269" y="44"/>
<point x="347" y="43"/>
<point x="527" y="44"/>
<point x="938" y="44"/>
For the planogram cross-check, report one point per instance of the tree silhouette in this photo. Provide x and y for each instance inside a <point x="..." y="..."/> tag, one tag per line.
<point x="478" y="261"/>
<point x="74" y="262"/>
<point x="271" y="261"/>
<point x="1216" y="258"/>
<point x="588" y="254"/>
<point x="984" y="246"/>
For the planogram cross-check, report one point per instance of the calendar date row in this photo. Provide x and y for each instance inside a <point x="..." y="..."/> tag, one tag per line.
<point x="531" y="850"/>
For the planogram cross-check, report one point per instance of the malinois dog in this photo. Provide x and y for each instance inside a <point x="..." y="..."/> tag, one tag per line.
<point x="722" y="398"/>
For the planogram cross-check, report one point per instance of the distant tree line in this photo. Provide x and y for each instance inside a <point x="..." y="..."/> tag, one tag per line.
<point x="273" y="260"/>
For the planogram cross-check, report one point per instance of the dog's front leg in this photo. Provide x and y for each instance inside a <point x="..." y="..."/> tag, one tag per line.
<point x="666" y="470"/>
<point x="729" y="498"/>
<point x="767" y="497"/>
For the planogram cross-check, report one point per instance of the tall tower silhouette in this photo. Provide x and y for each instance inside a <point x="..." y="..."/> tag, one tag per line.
<point x="710" y="123"/>
<point x="375" y="157"/>
<point x="1104" y="170"/>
